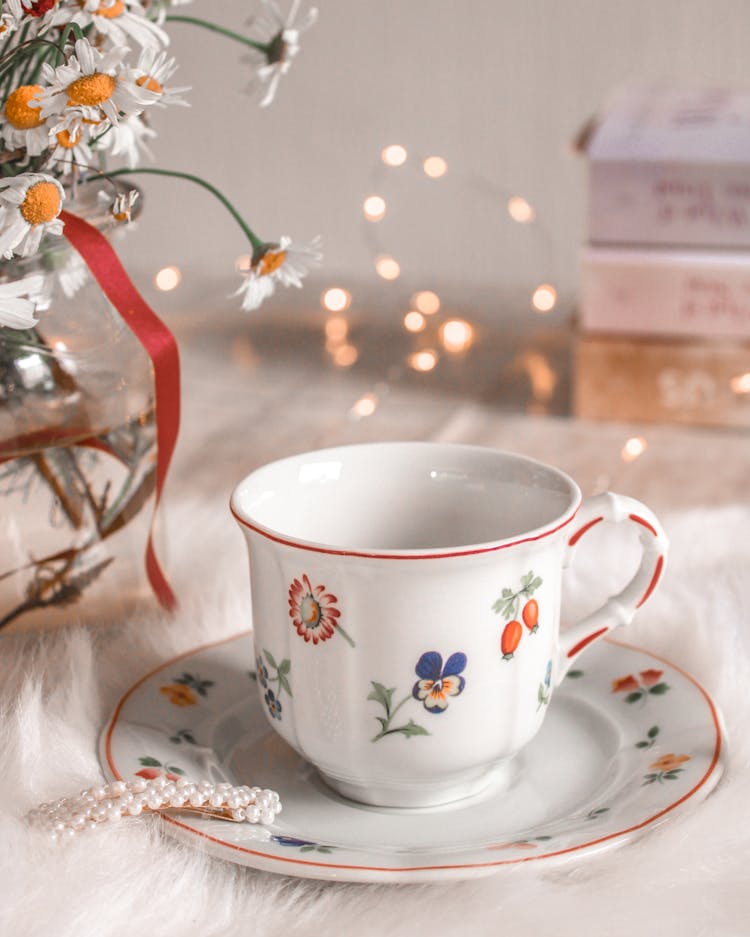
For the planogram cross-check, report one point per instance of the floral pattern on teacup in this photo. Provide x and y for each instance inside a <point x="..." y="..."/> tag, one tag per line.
<point x="314" y="611"/>
<point x="438" y="683"/>
<point x="278" y="675"/>
<point x="667" y="768"/>
<point x="153" y="768"/>
<point x="508" y="606"/>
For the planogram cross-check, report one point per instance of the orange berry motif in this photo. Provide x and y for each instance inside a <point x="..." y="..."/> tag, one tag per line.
<point x="511" y="638"/>
<point x="530" y="615"/>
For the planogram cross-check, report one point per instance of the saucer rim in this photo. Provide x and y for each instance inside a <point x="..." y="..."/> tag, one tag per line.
<point x="187" y="832"/>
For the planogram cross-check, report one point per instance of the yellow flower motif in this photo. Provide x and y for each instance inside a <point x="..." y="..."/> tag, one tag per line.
<point x="179" y="694"/>
<point x="668" y="762"/>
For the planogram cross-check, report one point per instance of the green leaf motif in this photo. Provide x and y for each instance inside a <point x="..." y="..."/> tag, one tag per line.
<point x="660" y="689"/>
<point x="381" y="694"/>
<point x="653" y="732"/>
<point x="173" y="769"/>
<point x="149" y="762"/>
<point x="634" y="696"/>
<point x="642" y="745"/>
<point x="270" y="659"/>
<point x="574" y="674"/>
<point x="411" y="728"/>
<point x="285" y="666"/>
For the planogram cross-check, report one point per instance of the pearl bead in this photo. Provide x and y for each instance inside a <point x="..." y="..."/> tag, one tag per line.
<point x="198" y="799"/>
<point x="135" y="808"/>
<point x="238" y="814"/>
<point x="234" y="802"/>
<point x="114" y="813"/>
<point x="267" y="816"/>
<point x="183" y="782"/>
<point x="116" y="788"/>
<point x="138" y="785"/>
<point x="100" y="793"/>
<point x="153" y="800"/>
<point x="263" y="799"/>
<point x="216" y="800"/>
<point x="253" y="814"/>
<point x="178" y="800"/>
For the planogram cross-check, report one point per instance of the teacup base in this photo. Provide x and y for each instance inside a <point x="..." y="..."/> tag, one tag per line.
<point x="424" y="794"/>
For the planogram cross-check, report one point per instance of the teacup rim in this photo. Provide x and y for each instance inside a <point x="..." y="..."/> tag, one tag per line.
<point x="556" y="524"/>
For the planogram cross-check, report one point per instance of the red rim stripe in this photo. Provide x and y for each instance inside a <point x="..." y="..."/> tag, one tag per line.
<point x="644" y="523"/>
<point x="586" y="641"/>
<point x="579" y="533"/>
<point x="654" y="579"/>
<point x="331" y="551"/>
<point x="161" y="348"/>
<point x="428" y="868"/>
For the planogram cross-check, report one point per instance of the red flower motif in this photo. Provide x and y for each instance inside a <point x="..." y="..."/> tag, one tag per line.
<point x="625" y="684"/>
<point x="312" y="610"/>
<point x="150" y="773"/>
<point x="650" y="677"/>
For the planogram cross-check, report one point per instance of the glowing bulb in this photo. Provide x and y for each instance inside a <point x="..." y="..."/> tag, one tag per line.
<point x="394" y="155"/>
<point x="168" y="278"/>
<point x="741" y="383"/>
<point x="456" y="335"/>
<point x="345" y="356"/>
<point x="387" y="267"/>
<point x="435" y="167"/>
<point x="520" y="210"/>
<point x="542" y="375"/>
<point x="633" y="448"/>
<point x="243" y="263"/>
<point x="337" y="328"/>
<point x="365" y="406"/>
<point x="414" y="321"/>
<point x="423" y="360"/>
<point x="336" y="299"/>
<point x="374" y="208"/>
<point x="544" y="298"/>
<point x="426" y="302"/>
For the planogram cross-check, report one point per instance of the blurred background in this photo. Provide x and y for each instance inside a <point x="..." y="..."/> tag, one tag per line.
<point x="495" y="88"/>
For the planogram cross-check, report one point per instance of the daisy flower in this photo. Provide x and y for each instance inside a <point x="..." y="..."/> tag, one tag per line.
<point x="69" y="148"/>
<point x="121" y="207"/>
<point x="313" y="610"/>
<point x="21" y="122"/>
<point x="29" y="207"/>
<point x="283" y="263"/>
<point x="16" y="306"/>
<point x="10" y="18"/>
<point x="116" y="20"/>
<point x="282" y="44"/>
<point x="152" y="72"/>
<point x="97" y="85"/>
<point x="128" y="140"/>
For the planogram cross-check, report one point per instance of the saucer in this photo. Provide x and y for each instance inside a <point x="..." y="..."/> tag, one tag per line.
<point x="630" y="740"/>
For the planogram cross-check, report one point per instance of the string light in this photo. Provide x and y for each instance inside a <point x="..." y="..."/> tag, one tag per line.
<point x="741" y="383"/>
<point x="336" y="299"/>
<point x="544" y="298"/>
<point x="414" y="321"/>
<point x="365" y="406"/>
<point x="374" y="208"/>
<point x="345" y="355"/>
<point x="394" y="155"/>
<point x="456" y="335"/>
<point x="633" y="448"/>
<point x="423" y="360"/>
<point x="435" y="167"/>
<point x="243" y="263"/>
<point x="520" y="210"/>
<point x="387" y="267"/>
<point x="427" y="302"/>
<point x="541" y="374"/>
<point x="168" y="278"/>
<point x="337" y="328"/>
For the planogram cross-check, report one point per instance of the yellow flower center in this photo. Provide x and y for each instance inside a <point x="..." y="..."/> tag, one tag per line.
<point x="42" y="203"/>
<point x="111" y="13"/>
<point x="91" y="90"/>
<point x="271" y="261"/>
<point x="17" y="109"/>
<point x="65" y="140"/>
<point x="151" y="83"/>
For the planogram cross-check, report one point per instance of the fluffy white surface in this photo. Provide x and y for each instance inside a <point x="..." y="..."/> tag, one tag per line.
<point x="688" y="877"/>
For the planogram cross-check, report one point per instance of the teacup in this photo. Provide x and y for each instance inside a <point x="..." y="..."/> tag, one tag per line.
<point x="406" y="608"/>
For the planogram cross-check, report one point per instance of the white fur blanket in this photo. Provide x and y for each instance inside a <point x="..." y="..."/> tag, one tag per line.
<point x="688" y="877"/>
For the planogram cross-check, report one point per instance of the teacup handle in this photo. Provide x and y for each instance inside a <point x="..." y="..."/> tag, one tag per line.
<point x="620" y="609"/>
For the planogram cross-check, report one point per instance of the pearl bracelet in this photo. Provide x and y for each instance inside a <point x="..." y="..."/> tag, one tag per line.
<point x="111" y="802"/>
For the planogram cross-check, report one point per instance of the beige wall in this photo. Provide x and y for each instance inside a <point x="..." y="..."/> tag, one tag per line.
<point x="495" y="87"/>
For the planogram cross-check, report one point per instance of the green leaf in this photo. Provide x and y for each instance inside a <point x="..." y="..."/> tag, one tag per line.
<point x="253" y="675"/>
<point x="411" y="728"/>
<point x="653" y="732"/>
<point x="525" y="580"/>
<point x="535" y="584"/>
<point x="634" y="696"/>
<point x="285" y="666"/>
<point x="382" y="695"/>
<point x="173" y="769"/>
<point x="574" y="674"/>
<point x="506" y="593"/>
<point x="309" y="848"/>
<point x="383" y="722"/>
<point x="326" y="849"/>
<point x="149" y="762"/>
<point x="283" y="682"/>
<point x="540" y="694"/>
<point x="660" y="689"/>
<point x="269" y="657"/>
<point x="642" y="745"/>
<point x="542" y="839"/>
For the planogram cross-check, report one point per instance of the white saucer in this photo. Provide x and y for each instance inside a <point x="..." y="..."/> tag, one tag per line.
<point x="614" y="757"/>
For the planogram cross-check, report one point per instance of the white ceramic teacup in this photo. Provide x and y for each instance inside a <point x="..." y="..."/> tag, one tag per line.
<point x="406" y="608"/>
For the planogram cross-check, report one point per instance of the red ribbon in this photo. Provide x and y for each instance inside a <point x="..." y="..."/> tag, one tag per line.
<point x="161" y="348"/>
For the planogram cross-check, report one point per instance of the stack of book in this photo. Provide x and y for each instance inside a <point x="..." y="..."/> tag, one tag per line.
<point x="665" y="278"/>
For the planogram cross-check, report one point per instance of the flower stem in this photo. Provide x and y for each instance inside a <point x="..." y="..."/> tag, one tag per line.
<point x="256" y="242"/>
<point x="263" y="47"/>
<point x="345" y="635"/>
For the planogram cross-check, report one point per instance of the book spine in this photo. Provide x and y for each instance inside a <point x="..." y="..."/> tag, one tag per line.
<point x="654" y="381"/>
<point x="669" y="293"/>
<point x="638" y="202"/>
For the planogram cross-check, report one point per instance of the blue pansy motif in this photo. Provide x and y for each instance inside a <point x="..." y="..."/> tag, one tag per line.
<point x="548" y="674"/>
<point x="261" y="671"/>
<point x="273" y="703"/>
<point x="438" y="683"/>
